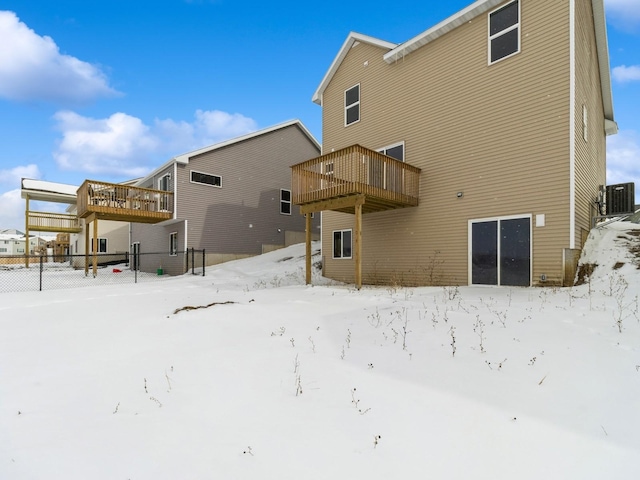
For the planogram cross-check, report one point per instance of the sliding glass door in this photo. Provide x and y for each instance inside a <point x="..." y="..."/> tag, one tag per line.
<point x="500" y="251"/>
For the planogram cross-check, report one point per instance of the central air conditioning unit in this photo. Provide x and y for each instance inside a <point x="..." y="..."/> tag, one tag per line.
<point x="620" y="198"/>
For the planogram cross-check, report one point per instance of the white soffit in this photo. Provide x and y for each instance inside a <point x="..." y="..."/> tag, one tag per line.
<point x="602" y="45"/>
<point x="463" y="16"/>
<point x="49" y="191"/>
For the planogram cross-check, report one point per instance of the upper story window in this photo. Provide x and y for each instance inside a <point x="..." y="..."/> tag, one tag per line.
<point x="206" y="179"/>
<point x="285" y="201"/>
<point x="504" y="32"/>
<point x="164" y="183"/>
<point x="394" y="151"/>
<point x="352" y="105"/>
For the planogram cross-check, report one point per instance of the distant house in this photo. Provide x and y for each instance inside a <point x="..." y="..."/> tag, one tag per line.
<point x="473" y="153"/>
<point x="12" y="244"/>
<point x="231" y="199"/>
<point x="15" y="244"/>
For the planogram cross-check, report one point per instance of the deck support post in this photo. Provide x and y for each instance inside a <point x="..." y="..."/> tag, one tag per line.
<point x="357" y="245"/>
<point x="86" y="248"/>
<point x="307" y="217"/>
<point x="26" y="234"/>
<point x="95" y="246"/>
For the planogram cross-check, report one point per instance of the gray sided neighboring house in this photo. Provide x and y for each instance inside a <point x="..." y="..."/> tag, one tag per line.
<point x="232" y="199"/>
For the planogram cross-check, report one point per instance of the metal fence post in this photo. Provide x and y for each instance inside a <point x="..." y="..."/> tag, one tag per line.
<point x="41" y="269"/>
<point x="203" y="261"/>
<point x="193" y="261"/>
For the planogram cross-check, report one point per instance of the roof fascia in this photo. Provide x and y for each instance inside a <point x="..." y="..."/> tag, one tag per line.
<point x="352" y="38"/>
<point x="481" y="6"/>
<point x="463" y="16"/>
<point x="185" y="157"/>
<point x="602" y="45"/>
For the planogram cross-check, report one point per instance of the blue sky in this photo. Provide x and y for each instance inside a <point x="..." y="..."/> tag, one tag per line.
<point x="109" y="90"/>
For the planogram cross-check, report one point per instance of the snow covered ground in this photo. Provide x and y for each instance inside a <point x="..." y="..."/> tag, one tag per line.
<point x="272" y="379"/>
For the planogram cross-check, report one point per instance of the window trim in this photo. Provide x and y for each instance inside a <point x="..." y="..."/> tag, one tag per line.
<point x="106" y="244"/>
<point x="351" y="105"/>
<point x="517" y="26"/>
<point x="286" y="202"/>
<point x="191" y="180"/>
<point x="173" y="244"/>
<point x="168" y="177"/>
<point x="585" y="123"/>
<point x="497" y="219"/>
<point x="333" y="246"/>
<point x="384" y="149"/>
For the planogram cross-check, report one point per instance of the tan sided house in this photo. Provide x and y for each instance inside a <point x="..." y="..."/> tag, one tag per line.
<point x="473" y="153"/>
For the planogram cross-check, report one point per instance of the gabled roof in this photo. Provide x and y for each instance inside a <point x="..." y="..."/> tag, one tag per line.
<point x="184" y="158"/>
<point x="351" y="40"/>
<point x="465" y="15"/>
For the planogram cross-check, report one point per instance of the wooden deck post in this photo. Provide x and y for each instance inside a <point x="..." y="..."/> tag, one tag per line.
<point x="307" y="217"/>
<point x="95" y="246"/>
<point x="26" y="235"/>
<point x="357" y="245"/>
<point x="86" y="248"/>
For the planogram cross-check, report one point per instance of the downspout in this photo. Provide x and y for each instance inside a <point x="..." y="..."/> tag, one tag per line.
<point x="572" y="124"/>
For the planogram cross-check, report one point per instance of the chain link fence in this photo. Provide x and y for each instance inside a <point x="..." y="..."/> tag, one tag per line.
<point x="21" y="273"/>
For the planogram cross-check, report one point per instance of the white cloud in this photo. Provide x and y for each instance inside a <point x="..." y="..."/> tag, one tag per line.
<point x="123" y="145"/>
<point x="12" y="211"/>
<point x="120" y="144"/>
<point x="33" y="69"/>
<point x="12" y="177"/>
<point x="623" y="13"/>
<point x="625" y="74"/>
<point x="623" y="159"/>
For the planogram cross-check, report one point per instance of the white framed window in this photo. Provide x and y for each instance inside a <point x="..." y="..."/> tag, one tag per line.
<point x="3" y="250"/>
<point x="102" y="245"/>
<point x="206" y="179"/>
<point x="352" y="105"/>
<point x="285" y="201"/>
<point x="504" y="32"/>
<point x="385" y="176"/>
<point x="585" y="129"/>
<point x="173" y="243"/>
<point x="164" y="182"/>
<point x="395" y="150"/>
<point x="342" y="243"/>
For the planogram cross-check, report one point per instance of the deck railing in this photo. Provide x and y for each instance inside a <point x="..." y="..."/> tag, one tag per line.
<point x="355" y="170"/>
<point x="124" y="202"/>
<point x="53" y="222"/>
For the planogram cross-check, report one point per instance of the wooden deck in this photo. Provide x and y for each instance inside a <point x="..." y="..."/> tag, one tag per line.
<point x="113" y="201"/>
<point x="53" y="222"/>
<point x="340" y="179"/>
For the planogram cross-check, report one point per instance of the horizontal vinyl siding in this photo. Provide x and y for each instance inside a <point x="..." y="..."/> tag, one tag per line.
<point x="590" y="154"/>
<point x="498" y="133"/>
<point x="245" y="213"/>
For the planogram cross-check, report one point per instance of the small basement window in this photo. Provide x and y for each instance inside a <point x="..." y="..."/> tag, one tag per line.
<point x="342" y="244"/>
